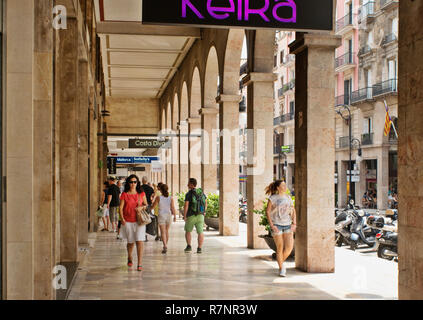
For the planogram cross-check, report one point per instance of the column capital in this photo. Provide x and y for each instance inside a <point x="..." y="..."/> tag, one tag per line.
<point x="315" y="40"/>
<point x="194" y="120"/>
<point x="228" y="98"/>
<point x="259" y="77"/>
<point x="210" y="111"/>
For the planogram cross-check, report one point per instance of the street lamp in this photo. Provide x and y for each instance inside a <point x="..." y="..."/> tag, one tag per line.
<point x="350" y="144"/>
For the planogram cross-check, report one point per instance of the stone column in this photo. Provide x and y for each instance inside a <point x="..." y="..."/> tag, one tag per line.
<point x="183" y="156"/>
<point x="410" y="152"/>
<point x="93" y="156"/>
<point x="43" y="202"/>
<point x="260" y="149"/>
<point x="209" y="152"/>
<point x="289" y="175"/>
<point x="229" y="164"/>
<point x="194" y="145"/>
<point x="69" y="104"/>
<point x="342" y="183"/>
<point x="83" y="171"/>
<point x="314" y="151"/>
<point x="383" y="178"/>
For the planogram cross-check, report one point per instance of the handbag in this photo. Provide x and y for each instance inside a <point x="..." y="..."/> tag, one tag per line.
<point x="152" y="227"/>
<point x="100" y="212"/>
<point x="143" y="217"/>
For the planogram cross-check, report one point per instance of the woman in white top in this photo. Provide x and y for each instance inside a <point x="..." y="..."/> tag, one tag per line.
<point x="281" y="216"/>
<point x="166" y="210"/>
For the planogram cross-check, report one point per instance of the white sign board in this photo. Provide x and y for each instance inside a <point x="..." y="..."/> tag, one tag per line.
<point x="156" y="166"/>
<point x="354" y="179"/>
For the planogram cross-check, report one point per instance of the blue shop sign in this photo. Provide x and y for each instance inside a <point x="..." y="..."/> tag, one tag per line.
<point x="135" y="160"/>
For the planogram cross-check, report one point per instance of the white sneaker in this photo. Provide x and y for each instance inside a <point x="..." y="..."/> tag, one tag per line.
<point x="282" y="273"/>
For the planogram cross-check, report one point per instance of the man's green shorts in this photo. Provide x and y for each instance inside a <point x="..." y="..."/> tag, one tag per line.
<point x="195" y="221"/>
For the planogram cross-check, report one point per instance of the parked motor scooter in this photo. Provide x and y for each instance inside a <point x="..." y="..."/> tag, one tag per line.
<point x="387" y="237"/>
<point x="351" y="228"/>
<point x="243" y="211"/>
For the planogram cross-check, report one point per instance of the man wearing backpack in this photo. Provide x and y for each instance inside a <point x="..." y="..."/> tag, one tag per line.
<point x="194" y="210"/>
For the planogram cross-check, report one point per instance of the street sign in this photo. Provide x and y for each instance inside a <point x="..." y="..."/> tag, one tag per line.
<point x="134" y="160"/>
<point x="287" y="14"/>
<point x="354" y="172"/>
<point x="148" y="144"/>
<point x="353" y="178"/>
<point x="111" y="165"/>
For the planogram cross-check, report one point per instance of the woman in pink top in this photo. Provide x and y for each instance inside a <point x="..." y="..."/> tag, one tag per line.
<point x="132" y="197"/>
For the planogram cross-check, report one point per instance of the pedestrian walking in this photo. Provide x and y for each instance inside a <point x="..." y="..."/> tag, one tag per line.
<point x="149" y="193"/>
<point x="103" y="204"/>
<point x="113" y="202"/>
<point x="157" y="194"/>
<point x="166" y="209"/>
<point x="194" y="210"/>
<point x="132" y="197"/>
<point x="282" y="219"/>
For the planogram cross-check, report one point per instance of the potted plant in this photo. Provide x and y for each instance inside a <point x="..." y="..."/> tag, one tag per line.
<point x="181" y="203"/>
<point x="265" y="222"/>
<point x="212" y="213"/>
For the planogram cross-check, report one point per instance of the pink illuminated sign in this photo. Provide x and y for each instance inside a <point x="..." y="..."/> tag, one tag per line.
<point x="277" y="14"/>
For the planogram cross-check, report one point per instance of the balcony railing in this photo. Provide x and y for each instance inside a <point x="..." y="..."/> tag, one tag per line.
<point x="345" y="59"/>
<point x="389" y="86"/>
<point x="389" y="38"/>
<point x="345" y="21"/>
<point x="384" y="4"/>
<point x="365" y="50"/>
<point x="342" y="100"/>
<point x="280" y="92"/>
<point x="367" y="139"/>
<point x="361" y="95"/>
<point x="284" y="118"/>
<point x="344" y="142"/>
<point x="288" y="86"/>
<point x="366" y="11"/>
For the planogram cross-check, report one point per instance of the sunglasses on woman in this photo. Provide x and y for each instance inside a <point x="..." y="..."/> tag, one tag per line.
<point x="131" y="182"/>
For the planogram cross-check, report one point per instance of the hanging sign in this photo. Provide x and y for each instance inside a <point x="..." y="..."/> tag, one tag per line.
<point x="148" y="144"/>
<point x="277" y="14"/>
<point x="134" y="160"/>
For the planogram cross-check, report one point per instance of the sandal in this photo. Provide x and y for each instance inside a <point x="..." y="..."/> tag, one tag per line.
<point x="130" y="263"/>
<point x="139" y="268"/>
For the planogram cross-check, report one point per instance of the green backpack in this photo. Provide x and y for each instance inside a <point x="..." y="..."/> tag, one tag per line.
<point x="198" y="202"/>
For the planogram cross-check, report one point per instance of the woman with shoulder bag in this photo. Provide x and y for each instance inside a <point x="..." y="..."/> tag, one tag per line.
<point x="131" y="198"/>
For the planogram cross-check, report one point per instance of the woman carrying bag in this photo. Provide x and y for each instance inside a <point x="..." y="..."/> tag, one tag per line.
<point x="132" y="231"/>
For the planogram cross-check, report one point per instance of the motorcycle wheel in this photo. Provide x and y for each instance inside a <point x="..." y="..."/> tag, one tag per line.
<point x="338" y="239"/>
<point x="383" y="256"/>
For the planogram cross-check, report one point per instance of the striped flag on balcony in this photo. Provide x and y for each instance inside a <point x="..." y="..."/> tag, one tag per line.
<point x="388" y="121"/>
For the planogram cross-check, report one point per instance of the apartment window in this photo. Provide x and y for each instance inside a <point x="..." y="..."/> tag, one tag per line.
<point x="368" y="125"/>
<point x="392" y="69"/>
<point x="282" y="55"/>
<point x="292" y="107"/>
<point x="275" y="60"/>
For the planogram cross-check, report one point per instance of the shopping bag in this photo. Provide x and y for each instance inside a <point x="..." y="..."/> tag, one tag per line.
<point x="152" y="227"/>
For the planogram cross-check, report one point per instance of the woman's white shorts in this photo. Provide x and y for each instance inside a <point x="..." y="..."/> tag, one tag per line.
<point x="164" y="219"/>
<point x="105" y="211"/>
<point x="132" y="232"/>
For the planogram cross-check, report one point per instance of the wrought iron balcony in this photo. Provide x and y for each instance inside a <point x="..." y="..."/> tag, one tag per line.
<point x="345" y="59"/>
<point x="387" y="4"/>
<point x="344" y="22"/>
<point x="280" y="92"/>
<point x="361" y="95"/>
<point x="288" y="86"/>
<point x="367" y="139"/>
<point x="390" y="38"/>
<point x="366" y="11"/>
<point x="284" y="118"/>
<point x="386" y="87"/>
<point x="342" y="100"/>
<point x="365" y="50"/>
<point x="344" y="142"/>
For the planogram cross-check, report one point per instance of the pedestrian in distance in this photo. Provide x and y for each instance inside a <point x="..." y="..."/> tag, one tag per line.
<point x="149" y="193"/>
<point x="113" y="203"/>
<point x="166" y="208"/>
<point x="132" y="197"/>
<point x="157" y="194"/>
<point x="103" y="204"/>
<point x="194" y="210"/>
<point x="282" y="219"/>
